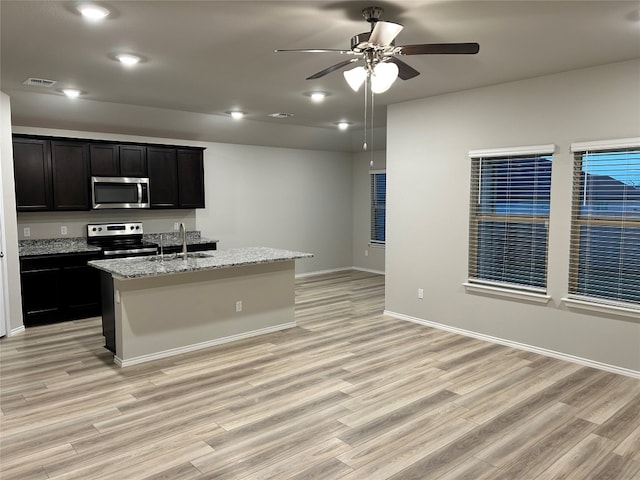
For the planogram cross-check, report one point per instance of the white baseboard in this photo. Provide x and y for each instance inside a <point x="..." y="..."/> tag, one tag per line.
<point x="199" y="346"/>
<point x="521" y="346"/>
<point x="369" y="270"/>
<point x="16" y="331"/>
<point x="336" y="270"/>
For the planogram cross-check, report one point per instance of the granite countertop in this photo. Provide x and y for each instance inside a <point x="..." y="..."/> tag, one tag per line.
<point x="54" y="246"/>
<point x="173" y="238"/>
<point x="140" y="267"/>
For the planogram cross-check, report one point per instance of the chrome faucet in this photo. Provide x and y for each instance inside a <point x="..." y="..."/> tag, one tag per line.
<point x="183" y="232"/>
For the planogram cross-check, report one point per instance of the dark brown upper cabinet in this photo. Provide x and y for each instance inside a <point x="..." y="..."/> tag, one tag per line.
<point x="108" y="160"/>
<point x="70" y="175"/>
<point x="32" y="172"/>
<point x="163" y="177"/>
<point x="190" y="178"/>
<point x="53" y="173"/>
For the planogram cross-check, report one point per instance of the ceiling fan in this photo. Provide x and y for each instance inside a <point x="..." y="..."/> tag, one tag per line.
<point x="377" y="47"/>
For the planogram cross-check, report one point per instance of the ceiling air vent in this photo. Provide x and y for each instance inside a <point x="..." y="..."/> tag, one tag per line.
<point x="281" y="115"/>
<point x="39" y="82"/>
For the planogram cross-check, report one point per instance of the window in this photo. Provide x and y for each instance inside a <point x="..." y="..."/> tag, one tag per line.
<point x="605" y="223"/>
<point x="509" y="217"/>
<point x="378" y="205"/>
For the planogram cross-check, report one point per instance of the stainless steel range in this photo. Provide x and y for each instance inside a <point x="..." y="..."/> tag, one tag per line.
<point x="119" y="240"/>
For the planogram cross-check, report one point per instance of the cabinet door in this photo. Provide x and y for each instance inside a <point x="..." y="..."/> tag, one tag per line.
<point x="70" y="173"/>
<point x="133" y="161"/>
<point x="41" y="296"/>
<point x="32" y="171"/>
<point x="82" y="291"/>
<point x="104" y="160"/>
<point x="163" y="182"/>
<point x="190" y="178"/>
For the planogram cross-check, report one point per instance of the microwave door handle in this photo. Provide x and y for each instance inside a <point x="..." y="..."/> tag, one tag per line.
<point x="139" y="192"/>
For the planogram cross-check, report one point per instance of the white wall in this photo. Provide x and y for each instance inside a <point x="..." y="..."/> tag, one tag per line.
<point x="365" y="256"/>
<point x="428" y="172"/>
<point x="9" y="221"/>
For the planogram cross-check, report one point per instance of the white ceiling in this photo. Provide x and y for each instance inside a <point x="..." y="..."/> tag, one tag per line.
<point x="212" y="56"/>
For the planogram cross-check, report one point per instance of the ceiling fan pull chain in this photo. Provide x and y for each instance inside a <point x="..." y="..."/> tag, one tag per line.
<point x="373" y="95"/>
<point x="366" y="88"/>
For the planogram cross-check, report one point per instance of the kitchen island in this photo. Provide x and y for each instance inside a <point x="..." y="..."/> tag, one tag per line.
<point x="155" y="308"/>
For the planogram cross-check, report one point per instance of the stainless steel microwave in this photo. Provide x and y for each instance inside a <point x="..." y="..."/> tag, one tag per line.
<point x="119" y="192"/>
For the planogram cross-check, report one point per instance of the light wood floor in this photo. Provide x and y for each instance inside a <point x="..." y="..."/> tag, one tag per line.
<point x="348" y="394"/>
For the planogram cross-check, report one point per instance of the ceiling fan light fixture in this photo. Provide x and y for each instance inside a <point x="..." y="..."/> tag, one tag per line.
<point x="383" y="76"/>
<point x="355" y="77"/>
<point x="343" y="125"/>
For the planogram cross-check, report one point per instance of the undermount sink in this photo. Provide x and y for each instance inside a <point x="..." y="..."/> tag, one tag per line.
<point x="173" y="257"/>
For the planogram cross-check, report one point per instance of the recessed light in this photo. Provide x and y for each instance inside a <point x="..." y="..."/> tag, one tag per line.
<point x="71" y="92"/>
<point x="93" y="12"/>
<point x="317" y="96"/>
<point x="128" y="59"/>
<point x="236" y="114"/>
<point x="343" y="125"/>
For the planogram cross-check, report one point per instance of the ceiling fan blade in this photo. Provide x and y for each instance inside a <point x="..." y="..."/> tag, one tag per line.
<point x="332" y="68"/>
<point x="405" y="72"/>
<point x="384" y="32"/>
<point x="438" y="48"/>
<point x="314" y="50"/>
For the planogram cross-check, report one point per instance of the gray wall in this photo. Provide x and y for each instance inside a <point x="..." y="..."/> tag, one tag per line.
<point x="428" y="172"/>
<point x="9" y="221"/>
<point x="365" y="256"/>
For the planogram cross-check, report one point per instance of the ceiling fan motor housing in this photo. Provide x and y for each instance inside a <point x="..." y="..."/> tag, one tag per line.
<point x="372" y="14"/>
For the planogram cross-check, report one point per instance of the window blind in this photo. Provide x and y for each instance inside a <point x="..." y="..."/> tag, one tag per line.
<point x="605" y="224"/>
<point x="378" y="205"/>
<point x="509" y="218"/>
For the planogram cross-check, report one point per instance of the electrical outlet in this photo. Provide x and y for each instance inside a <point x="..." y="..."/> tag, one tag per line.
<point x="176" y="226"/>
<point x="63" y="230"/>
<point x="26" y="232"/>
<point x="239" y="306"/>
<point x="421" y="293"/>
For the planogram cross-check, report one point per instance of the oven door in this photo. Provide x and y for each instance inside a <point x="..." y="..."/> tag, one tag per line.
<point x="119" y="192"/>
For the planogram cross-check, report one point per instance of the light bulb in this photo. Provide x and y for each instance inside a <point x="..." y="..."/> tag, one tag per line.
<point x="236" y="115"/>
<point x="91" y="12"/>
<point x="71" y="92"/>
<point x="128" y="59"/>
<point x="384" y="74"/>
<point x="318" y="96"/>
<point x="343" y="125"/>
<point x="355" y="77"/>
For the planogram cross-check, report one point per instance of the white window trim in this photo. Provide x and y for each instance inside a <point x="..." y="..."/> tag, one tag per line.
<point x="509" y="293"/>
<point x="373" y="243"/>
<point x="589" y="303"/>
<point x="605" y="145"/>
<point x="592" y="306"/>
<point x="547" y="149"/>
<point x="505" y="291"/>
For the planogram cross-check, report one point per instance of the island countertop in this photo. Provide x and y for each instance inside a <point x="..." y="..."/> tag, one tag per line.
<point x="152" y="266"/>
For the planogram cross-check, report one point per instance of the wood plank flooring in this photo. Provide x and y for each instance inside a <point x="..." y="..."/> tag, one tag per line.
<point x="348" y="394"/>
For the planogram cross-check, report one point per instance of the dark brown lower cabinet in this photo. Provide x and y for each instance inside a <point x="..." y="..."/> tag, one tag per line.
<point x="60" y="287"/>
